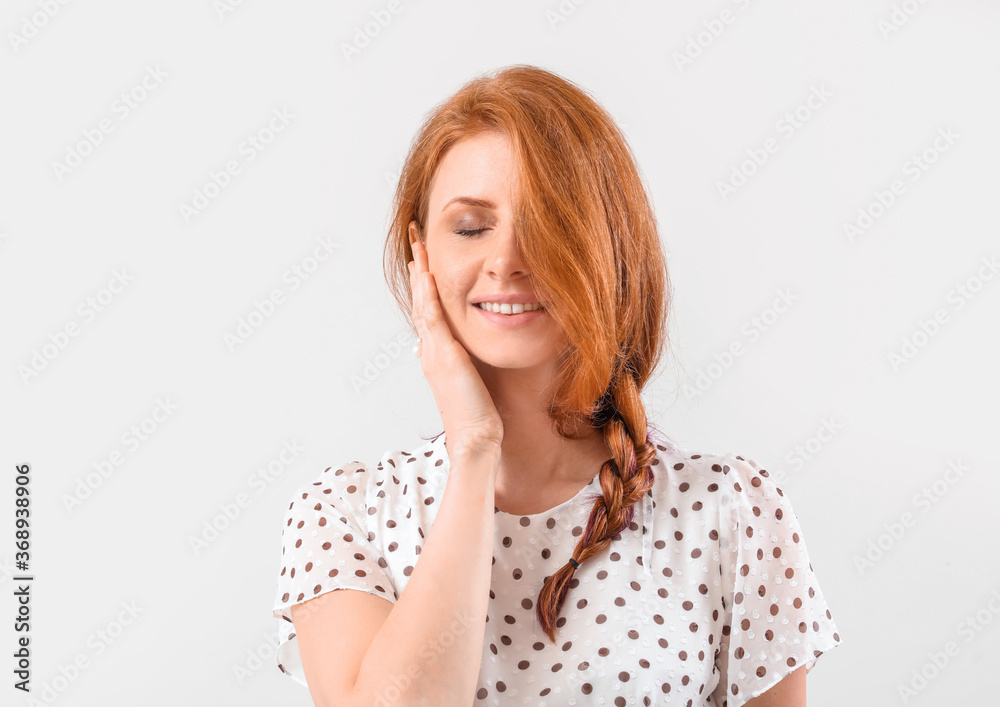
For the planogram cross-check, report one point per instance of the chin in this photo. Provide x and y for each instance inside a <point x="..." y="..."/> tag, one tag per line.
<point x="512" y="359"/>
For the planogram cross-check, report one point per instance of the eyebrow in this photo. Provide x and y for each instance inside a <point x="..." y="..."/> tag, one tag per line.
<point x="471" y="201"/>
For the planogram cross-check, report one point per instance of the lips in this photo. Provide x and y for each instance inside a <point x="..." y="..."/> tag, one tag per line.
<point x="510" y="321"/>
<point x="509" y="298"/>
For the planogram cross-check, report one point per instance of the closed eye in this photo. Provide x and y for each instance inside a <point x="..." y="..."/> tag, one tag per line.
<point x="470" y="233"/>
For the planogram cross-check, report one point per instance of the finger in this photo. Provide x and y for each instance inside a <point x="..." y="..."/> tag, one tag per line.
<point x="415" y="307"/>
<point x="420" y="256"/>
<point x="422" y="287"/>
<point x="432" y="305"/>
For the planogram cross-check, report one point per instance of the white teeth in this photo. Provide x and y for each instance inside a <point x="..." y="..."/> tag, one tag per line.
<point x="509" y="308"/>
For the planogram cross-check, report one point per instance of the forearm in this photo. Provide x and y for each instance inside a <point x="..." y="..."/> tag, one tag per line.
<point x="429" y="649"/>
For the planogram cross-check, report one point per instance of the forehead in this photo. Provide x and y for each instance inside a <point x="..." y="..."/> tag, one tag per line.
<point x="480" y="166"/>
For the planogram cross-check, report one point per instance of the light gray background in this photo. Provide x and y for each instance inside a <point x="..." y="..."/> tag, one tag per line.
<point x="203" y="615"/>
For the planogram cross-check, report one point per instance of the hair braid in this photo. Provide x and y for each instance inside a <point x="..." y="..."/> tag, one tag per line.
<point x="624" y="478"/>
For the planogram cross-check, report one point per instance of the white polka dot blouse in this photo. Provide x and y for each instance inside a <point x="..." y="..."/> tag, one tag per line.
<point x="709" y="598"/>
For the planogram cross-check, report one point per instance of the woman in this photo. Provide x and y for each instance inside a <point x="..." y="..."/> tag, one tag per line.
<point x="567" y="555"/>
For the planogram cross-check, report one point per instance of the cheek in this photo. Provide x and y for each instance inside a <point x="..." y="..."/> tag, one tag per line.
<point x="452" y="288"/>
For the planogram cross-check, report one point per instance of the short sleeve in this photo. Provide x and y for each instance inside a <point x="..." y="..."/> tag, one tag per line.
<point x="326" y="545"/>
<point x="776" y="617"/>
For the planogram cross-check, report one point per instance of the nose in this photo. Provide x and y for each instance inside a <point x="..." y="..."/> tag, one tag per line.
<point x="504" y="260"/>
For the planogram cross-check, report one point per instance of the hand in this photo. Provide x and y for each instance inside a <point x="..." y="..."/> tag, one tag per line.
<point x="470" y="418"/>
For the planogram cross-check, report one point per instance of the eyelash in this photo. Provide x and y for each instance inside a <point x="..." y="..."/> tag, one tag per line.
<point x="470" y="233"/>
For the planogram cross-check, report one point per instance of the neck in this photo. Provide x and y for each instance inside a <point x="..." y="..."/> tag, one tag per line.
<point x="533" y="456"/>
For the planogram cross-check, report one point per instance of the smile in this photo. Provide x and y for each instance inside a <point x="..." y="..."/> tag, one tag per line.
<point x="509" y="308"/>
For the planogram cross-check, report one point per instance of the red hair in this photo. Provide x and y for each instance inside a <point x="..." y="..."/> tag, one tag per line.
<point x="588" y="235"/>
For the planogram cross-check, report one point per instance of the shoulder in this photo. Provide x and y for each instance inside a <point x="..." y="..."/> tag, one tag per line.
<point x="725" y="478"/>
<point x="362" y="488"/>
<point x="679" y="466"/>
